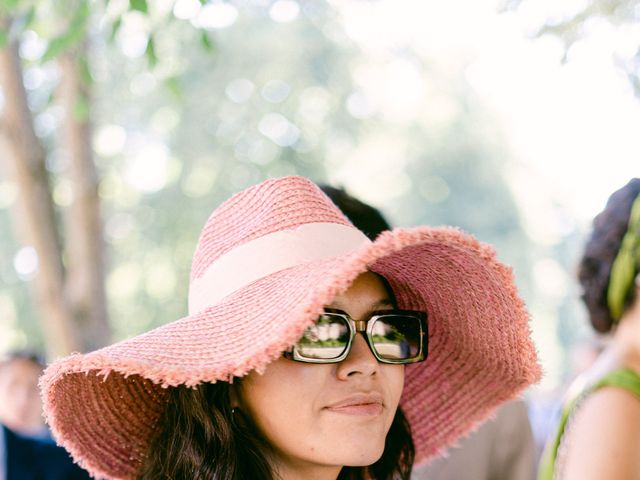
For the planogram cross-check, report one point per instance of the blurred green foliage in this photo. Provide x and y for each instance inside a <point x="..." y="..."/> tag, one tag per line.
<point x="589" y="16"/>
<point x="186" y="114"/>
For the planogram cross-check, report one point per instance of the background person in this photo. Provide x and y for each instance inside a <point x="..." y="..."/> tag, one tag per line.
<point x="502" y="447"/>
<point x="599" y="432"/>
<point x="20" y="405"/>
<point x="26" y="452"/>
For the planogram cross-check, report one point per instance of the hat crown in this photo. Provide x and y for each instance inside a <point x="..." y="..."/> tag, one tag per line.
<point x="272" y="206"/>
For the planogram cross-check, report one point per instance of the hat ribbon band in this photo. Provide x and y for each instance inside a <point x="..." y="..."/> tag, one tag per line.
<point x="269" y="254"/>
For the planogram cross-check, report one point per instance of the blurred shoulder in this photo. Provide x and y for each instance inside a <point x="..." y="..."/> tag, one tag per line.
<point x="603" y="437"/>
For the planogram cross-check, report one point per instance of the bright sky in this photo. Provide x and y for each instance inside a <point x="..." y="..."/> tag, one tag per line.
<point x="572" y="127"/>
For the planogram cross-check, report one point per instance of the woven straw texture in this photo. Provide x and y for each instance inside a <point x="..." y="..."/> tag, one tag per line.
<point x="103" y="406"/>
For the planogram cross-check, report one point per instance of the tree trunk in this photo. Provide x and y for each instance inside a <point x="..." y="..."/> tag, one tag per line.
<point x="27" y="161"/>
<point x="84" y="245"/>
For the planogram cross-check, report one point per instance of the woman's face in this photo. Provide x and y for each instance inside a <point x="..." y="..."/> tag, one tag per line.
<point x="319" y="418"/>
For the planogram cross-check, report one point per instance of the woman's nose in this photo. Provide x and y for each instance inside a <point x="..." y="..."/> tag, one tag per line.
<point x="359" y="361"/>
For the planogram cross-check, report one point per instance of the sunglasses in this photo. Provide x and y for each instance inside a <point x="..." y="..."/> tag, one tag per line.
<point x="394" y="336"/>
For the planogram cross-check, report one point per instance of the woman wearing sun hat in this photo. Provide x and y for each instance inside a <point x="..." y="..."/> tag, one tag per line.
<point x="308" y="351"/>
<point x="599" y="431"/>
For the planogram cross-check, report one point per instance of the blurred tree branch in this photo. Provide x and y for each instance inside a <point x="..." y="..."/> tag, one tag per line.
<point x="572" y="29"/>
<point x="27" y="159"/>
<point x="70" y="281"/>
<point x="69" y="285"/>
<point x="84" y="237"/>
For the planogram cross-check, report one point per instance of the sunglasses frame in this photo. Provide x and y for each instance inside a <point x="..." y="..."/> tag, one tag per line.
<point x="366" y="328"/>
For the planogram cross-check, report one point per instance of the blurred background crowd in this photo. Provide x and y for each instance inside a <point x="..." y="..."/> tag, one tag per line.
<point x="123" y="123"/>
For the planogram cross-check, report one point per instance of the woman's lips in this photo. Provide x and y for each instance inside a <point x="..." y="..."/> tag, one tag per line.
<point x="367" y="405"/>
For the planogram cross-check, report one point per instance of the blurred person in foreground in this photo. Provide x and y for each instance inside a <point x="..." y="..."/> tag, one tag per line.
<point x="502" y="448"/>
<point x="26" y="450"/>
<point x="599" y="431"/>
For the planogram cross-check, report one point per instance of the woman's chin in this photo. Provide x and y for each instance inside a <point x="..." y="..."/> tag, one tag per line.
<point x="361" y="457"/>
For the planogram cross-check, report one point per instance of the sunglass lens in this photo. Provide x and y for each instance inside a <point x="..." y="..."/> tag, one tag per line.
<point x="324" y="340"/>
<point x="397" y="337"/>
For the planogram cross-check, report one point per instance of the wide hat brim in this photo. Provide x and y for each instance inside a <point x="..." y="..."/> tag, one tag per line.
<point x="103" y="407"/>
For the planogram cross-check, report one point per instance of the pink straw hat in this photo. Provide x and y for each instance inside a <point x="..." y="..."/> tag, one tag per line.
<point x="282" y="246"/>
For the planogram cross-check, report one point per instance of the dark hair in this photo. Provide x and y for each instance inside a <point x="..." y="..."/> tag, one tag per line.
<point x="26" y="355"/>
<point x="364" y="217"/>
<point x="201" y="438"/>
<point x="609" y="226"/>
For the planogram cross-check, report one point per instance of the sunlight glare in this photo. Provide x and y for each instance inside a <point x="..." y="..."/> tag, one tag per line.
<point x="25" y="263"/>
<point x="283" y="11"/>
<point x="216" y="15"/>
<point x="148" y="169"/>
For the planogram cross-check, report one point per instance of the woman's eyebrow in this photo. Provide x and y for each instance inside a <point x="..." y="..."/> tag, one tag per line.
<point x="382" y="303"/>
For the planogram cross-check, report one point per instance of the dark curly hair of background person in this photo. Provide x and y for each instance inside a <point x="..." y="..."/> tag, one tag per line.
<point x="609" y="226"/>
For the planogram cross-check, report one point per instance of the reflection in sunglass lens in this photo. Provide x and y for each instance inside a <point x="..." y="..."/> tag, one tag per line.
<point x="396" y="337"/>
<point x="325" y="339"/>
